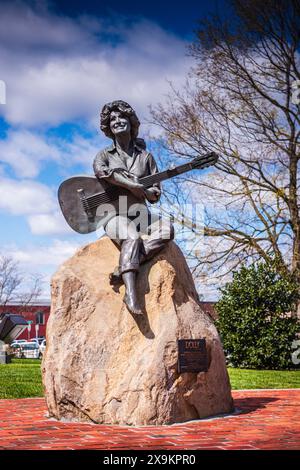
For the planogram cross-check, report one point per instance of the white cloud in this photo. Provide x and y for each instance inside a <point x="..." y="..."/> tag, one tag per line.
<point x="24" y="151"/>
<point x="58" y="69"/>
<point x="30" y="28"/>
<point x="25" y="197"/>
<point x="42" y="260"/>
<point x="36" y="202"/>
<point x="79" y="150"/>
<point x="27" y="152"/>
<point x="44" y="256"/>
<point x="48" y="224"/>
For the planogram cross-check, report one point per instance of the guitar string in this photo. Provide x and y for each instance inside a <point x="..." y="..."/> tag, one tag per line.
<point x="111" y="193"/>
<point x="151" y="179"/>
<point x="101" y="198"/>
<point x="96" y="199"/>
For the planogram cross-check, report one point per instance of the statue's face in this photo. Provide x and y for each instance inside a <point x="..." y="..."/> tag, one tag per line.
<point x="119" y="123"/>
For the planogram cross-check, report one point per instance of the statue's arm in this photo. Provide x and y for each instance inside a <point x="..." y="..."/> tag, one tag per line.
<point x="113" y="176"/>
<point x="154" y="192"/>
<point x="116" y="176"/>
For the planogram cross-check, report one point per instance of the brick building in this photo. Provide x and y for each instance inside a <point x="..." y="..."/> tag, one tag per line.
<point x="36" y="314"/>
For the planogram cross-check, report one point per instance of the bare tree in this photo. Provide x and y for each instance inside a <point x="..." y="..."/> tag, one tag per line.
<point x="239" y="100"/>
<point x="14" y="286"/>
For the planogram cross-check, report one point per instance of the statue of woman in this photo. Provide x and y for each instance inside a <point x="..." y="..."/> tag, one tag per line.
<point x="123" y="164"/>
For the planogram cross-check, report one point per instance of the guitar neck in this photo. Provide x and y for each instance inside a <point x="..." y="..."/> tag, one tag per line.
<point x="148" y="181"/>
<point x="113" y="192"/>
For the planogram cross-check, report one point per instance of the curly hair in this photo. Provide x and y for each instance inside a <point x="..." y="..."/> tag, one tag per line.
<point x="123" y="108"/>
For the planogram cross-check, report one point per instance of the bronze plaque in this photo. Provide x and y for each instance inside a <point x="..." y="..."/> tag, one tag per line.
<point x="192" y="355"/>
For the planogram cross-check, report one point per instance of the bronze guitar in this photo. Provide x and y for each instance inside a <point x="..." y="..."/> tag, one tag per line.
<point x="84" y="200"/>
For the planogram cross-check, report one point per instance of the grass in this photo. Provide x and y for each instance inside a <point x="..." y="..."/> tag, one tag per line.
<point x="246" y="378"/>
<point x="22" y="379"/>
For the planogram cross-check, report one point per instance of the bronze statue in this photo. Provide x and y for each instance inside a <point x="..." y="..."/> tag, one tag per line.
<point x="123" y="164"/>
<point x="125" y="170"/>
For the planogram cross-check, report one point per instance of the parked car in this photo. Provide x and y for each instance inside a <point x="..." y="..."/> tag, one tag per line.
<point x="33" y="340"/>
<point x="42" y="347"/>
<point x="38" y="340"/>
<point x="18" y="341"/>
<point x="30" y="350"/>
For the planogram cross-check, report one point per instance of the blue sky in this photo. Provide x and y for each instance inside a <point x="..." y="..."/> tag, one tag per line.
<point x="179" y="17"/>
<point x="61" y="61"/>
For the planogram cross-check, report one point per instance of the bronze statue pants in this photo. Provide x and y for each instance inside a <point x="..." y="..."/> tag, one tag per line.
<point x="138" y="242"/>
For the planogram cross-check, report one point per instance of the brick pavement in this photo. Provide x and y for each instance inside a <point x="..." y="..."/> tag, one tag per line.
<point x="264" y="419"/>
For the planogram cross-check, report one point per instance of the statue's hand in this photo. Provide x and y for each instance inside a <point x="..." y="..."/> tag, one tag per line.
<point x="152" y="194"/>
<point x="138" y="190"/>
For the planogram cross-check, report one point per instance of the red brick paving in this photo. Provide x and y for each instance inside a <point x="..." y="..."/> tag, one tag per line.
<point x="265" y="419"/>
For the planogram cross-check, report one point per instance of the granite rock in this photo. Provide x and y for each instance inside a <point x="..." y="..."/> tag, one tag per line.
<point x="103" y="365"/>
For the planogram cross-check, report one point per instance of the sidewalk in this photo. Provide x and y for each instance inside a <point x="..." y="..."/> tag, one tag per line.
<point x="264" y="419"/>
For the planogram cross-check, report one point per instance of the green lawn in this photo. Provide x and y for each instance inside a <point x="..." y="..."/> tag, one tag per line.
<point x="246" y="378"/>
<point x="22" y="378"/>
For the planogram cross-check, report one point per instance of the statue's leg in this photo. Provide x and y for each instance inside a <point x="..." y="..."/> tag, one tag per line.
<point x="129" y="265"/>
<point x="111" y="230"/>
<point x="160" y="232"/>
<point x="121" y="230"/>
<point x="118" y="229"/>
<point x="130" y="255"/>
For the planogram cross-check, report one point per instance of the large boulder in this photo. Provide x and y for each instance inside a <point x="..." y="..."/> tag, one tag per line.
<point x="103" y="365"/>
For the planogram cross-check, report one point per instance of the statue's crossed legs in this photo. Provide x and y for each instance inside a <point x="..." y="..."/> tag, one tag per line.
<point x="138" y="243"/>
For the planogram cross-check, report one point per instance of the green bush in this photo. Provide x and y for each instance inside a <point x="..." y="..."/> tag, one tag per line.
<point x="254" y="318"/>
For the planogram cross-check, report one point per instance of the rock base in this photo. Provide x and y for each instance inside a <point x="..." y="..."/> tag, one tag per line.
<point x="103" y="365"/>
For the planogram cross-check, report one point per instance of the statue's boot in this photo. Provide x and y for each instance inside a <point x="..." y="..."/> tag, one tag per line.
<point x="129" y="265"/>
<point x="130" y="297"/>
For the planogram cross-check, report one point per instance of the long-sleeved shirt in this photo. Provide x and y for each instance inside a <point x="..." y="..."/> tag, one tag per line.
<point x="111" y="159"/>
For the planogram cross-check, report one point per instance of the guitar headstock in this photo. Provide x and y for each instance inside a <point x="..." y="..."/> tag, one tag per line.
<point x="204" y="161"/>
